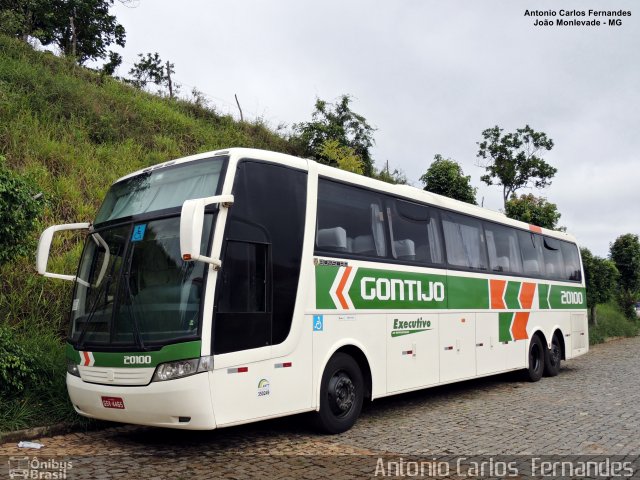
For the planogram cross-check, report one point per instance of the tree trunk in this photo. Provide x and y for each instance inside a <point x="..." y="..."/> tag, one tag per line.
<point x="594" y="320"/>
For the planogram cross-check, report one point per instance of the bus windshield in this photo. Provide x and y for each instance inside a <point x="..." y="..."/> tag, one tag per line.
<point x="133" y="289"/>
<point x="162" y="188"/>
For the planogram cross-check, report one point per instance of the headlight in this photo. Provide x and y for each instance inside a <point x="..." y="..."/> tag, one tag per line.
<point x="72" y="368"/>
<point x="182" y="368"/>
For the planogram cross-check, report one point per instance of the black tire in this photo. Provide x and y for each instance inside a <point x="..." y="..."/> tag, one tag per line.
<point x="341" y="394"/>
<point x="536" y="359"/>
<point x="553" y="358"/>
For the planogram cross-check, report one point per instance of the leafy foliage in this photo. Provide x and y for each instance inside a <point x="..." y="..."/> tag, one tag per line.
<point x="625" y="253"/>
<point x="152" y="69"/>
<point x="514" y="160"/>
<point x="115" y="60"/>
<point x="611" y="323"/>
<point x="445" y="177"/>
<point x="16" y="364"/>
<point x="339" y="123"/>
<point x="601" y="276"/>
<point x="19" y="212"/>
<point x="80" y="28"/>
<point x="345" y="157"/>
<point x="534" y="210"/>
<point x="395" y="176"/>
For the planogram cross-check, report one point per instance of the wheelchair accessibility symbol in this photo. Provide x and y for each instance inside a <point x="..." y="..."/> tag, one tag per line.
<point x="318" y="323"/>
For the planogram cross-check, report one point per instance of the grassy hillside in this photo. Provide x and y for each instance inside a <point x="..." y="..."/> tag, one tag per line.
<point x="73" y="132"/>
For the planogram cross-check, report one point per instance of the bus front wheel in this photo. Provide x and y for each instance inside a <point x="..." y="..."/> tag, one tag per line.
<point x="536" y="359"/>
<point x="341" y="394"/>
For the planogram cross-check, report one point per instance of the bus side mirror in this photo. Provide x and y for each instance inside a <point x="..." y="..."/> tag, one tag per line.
<point x="191" y="222"/>
<point x="44" y="247"/>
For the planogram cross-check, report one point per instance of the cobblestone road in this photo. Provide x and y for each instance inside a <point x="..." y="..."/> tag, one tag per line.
<point x="591" y="408"/>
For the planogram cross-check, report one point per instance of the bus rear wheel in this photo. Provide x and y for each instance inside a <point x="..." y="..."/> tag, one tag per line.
<point x="341" y="394"/>
<point x="536" y="359"/>
<point x="553" y="358"/>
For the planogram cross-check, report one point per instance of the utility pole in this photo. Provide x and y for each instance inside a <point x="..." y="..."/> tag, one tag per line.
<point x="169" y="72"/>
<point x="238" y="103"/>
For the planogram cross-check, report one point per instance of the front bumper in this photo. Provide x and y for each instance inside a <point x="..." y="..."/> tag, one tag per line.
<point x="160" y="404"/>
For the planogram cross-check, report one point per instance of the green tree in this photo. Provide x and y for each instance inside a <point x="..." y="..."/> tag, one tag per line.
<point x="601" y="276"/>
<point x="152" y="69"/>
<point x="625" y="253"/>
<point x="445" y="177"/>
<point x="534" y="210"/>
<point x="336" y="121"/>
<point x="82" y="29"/>
<point x="115" y="60"/>
<point x="395" y="176"/>
<point x="344" y="157"/>
<point x="514" y="160"/>
<point x="19" y="211"/>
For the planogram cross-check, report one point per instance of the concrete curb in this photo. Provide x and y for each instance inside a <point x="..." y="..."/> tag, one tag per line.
<point x="35" y="432"/>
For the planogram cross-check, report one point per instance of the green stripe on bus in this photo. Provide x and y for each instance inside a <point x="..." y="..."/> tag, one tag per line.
<point x="467" y="292"/>
<point x="511" y="295"/>
<point x="168" y="353"/>
<point x="543" y="291"/>
<point x="325" y="275"/>
<point x="71" y="353"/>
<point x="504" y="329"/>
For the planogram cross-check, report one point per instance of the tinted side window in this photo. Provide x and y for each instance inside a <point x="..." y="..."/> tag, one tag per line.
<point x="531" y="248"/>
<point x="415" y="233"/>
<point x="464" y="241"/>
<point x="268" y="210"/>
<point x="350" y="220"/>
<point x="244" y="277"/>
<point x="571" y="261"/>
<point x="503" y="248"/>
<point x="553" y="263"/>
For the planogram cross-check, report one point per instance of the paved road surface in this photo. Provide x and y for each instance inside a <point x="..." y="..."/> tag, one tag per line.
<point x="591" y="408"/>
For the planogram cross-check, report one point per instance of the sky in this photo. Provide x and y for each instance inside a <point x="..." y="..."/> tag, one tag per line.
<point x="430" y="76"/>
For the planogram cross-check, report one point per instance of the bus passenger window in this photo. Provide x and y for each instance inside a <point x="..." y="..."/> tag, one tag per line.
<point x="554" y="265"/>
<point x="415" y="233"/>
<point x="464" y="241"/>
<point x="531" y="249"/>
<point x="571" y="262"/>
<point x="502" y="245"/>
<point x="350" y="220"/>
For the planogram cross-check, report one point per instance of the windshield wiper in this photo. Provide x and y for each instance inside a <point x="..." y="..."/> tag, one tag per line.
<point x="80" y="342"/>
<point x="132" y="314"/>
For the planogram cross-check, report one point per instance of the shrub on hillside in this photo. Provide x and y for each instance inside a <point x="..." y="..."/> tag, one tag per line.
<point x="19" y="212"/>
<point x="17" y="365"/>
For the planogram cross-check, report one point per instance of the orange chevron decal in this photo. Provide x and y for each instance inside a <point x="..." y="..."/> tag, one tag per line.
<point x="527" y="292"/>
<point x="519" y="326"/>
<point x="339" y="290"/>
<point x="497" y="293"/>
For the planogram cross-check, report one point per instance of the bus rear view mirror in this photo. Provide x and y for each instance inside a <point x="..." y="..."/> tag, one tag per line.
<point x="44" y="247"/>
<point x="191" y="223"/>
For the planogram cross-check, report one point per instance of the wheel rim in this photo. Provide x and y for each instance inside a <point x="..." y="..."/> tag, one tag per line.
<point x="556" y="353"/>
<point x="342" y="394"/>
<point x="534" y="357"/>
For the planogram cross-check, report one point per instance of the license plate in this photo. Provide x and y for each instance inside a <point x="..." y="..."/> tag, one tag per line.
<point x="113" y="402"/>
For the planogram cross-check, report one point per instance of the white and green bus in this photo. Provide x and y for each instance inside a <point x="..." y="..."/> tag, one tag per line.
<point x="241" y="285"/>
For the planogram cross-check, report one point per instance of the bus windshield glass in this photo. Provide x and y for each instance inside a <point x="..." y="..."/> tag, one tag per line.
<point x="134" y="290"/>
<point x="162" y="188"/>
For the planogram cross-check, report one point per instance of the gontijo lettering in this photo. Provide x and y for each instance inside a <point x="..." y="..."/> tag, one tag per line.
<point x="398" y="289"/>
